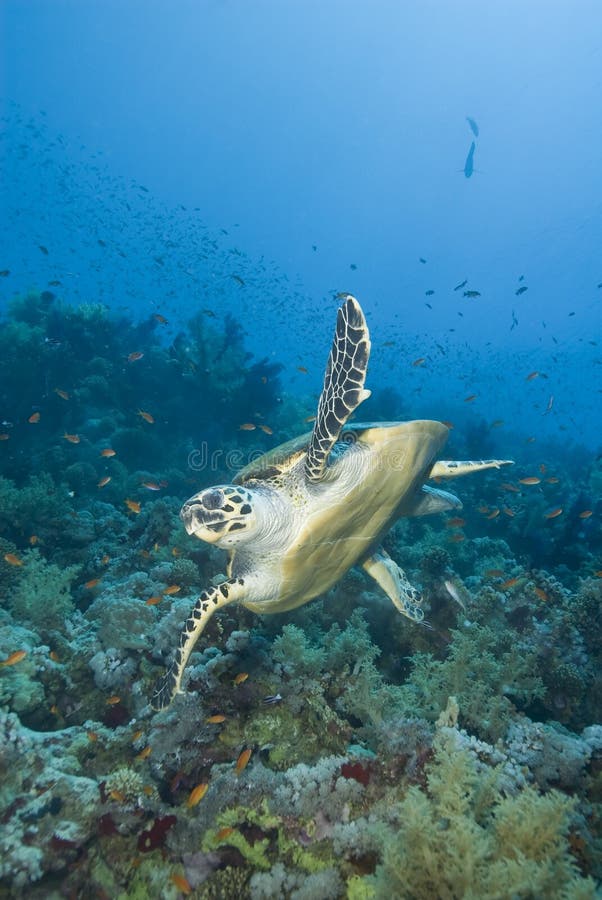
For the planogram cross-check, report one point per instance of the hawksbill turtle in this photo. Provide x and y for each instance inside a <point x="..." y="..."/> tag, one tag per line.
<point x="296" y="519"/>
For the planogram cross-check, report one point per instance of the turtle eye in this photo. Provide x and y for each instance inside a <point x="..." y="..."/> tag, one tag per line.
<point x="214" y="499"/>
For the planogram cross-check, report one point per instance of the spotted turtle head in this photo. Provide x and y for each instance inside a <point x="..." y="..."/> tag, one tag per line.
<point x="222" y="515"/>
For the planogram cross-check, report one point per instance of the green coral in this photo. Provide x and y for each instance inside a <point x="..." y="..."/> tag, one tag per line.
<point x="42" y="594"/>
<point x="463" y="839"/>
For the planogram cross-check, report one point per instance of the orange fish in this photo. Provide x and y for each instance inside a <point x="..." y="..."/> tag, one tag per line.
<point x="172" y="589"/>
<point x="12" y="559"/>
<point x="266" y="429"/>
<point x="113" y="701"/>
<point x="247" y="426"/>
<point x="532" y="479"/>
<point x="541" y="593"/>
<point x="457" y="536"/>
<point x="144" y="754"/>
<point x="554" y="513"/>
<point x="92" y="583"/>
<point x="104" y="481"/>
<point x="33" y="539"/>
<point x="4" y="436"/>
<point x="135" y="356"/>
<point x="34" y="417"/>
<point x="14" y="658"/>
<point x="216" y="719"/>
<point x="133" y="505"/>
<point x="92" y="736"/>
<point x="510" y="487"/>
<point x="137" y="734"/>
<point x="531" y="376"/>
<point x="62" y="394"/>
<point x="108" y="451"/>
<point x="456" y="522"/>
<point x="493" y="514"/>
<point x="224" y="833"/>
<point x="507" y="511"/>
<point x="598" y="574"/>
<point x="160" y="319"/>
<point x="508" y="584"/>
<point x="243" y="759"/>
<point x="54" y="709"/>
<point x="175" y="551"/>
<point x="72" y="438"/>
<point x="152" y="601"/>
<point x="151" y="485"/>
<point x="420" y="361"/>
<point x="146" y="416"/>
<point x="197" y="794"/>
<point x="552" y="480"/>
<point x="182" y="883"/>
<point x="302" y="369"/>
<point x="242" y="676"/>
<point x="117" y="796"/>
<point x="586" y="514"/>
<point x="470" y="398"/>
<point x="54" y="656"/>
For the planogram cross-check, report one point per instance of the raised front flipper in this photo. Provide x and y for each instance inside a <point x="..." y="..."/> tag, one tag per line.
<point x="343" y="389"/>
<point x="168" y="685"/>
<point x="452" y="468"/>
<point x="392" y="579"/>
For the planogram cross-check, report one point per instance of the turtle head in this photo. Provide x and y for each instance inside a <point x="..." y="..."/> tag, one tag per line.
<point x="222" y="515"/>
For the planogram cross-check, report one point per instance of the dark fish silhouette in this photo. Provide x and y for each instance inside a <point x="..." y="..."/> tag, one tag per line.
<point x="469" y="164"/>
<point x="473" y="126"/>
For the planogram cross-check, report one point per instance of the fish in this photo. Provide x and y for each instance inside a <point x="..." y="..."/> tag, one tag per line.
<point x="54" y="656"/>
<point x="160" y="319"/>
<point x="238" y="280"/>
<point x="541" y="593"/>
<point x="105" y="560"/>
<point x="151" y="485"/>
<point x="550" y="404"/>
<point x="422" y="260"/>
<point x="493" y="514"/>
<point x="554" y="513"/>
<point x="511" y="582"/>
<point x="43" y="249"/>
<point x="92" y="736"/>
<point x="552" y="480"/>
<point x="12" y="559"/>
<point x="240" y="678"/>
<point x="133" y="505"/>
<point x="586" y="514"/>
<point x="521" y="290"/>
<point x="473" y="126"/>
<point x="216" y="719"/>
<point x="135" y="356"/>
<point x="64" y="395"/>
<point x="146" y="416"/>
<point x="531" y="479"/>
<point x="172" y="589"/>
<point x="420" y="361"/>
<point x="197" y="794"/>
<point x="469" y="164"/>
<point x="181" y="882"/>
<point x="470" y="398"/>
<point x="471" y="294"/>
<point x="113" y="700"/>
<point x="4" y="273"/>
<point x="224" y="832"/>
<point x="4" y="436"/>
<point x="72" y="438"/>
<point x="92" y="583"/>
<point x="456" y="537"/>
<point x="453" y="593"/>
<point x="247" y="426"/>
<point x="272" y="699"/>
<point x="456" y="522"/>
<point x="33" y="539"/>
<point x="508" y="512"/>
<point x="531" y="376"/>
<point x="137" y="735"/>
<point x="266" y="429"/>
<point x="243" y="759"/>
<point x="14" y="658"/>
<point x="302" y="369"/>
<point x="104" y="481"/>
<point x="144" y="754"/>
<point x="462" y="284"/>
<point x="152" y="601"/>
<point x="108" y="452"/>
<point x="429" y="293"/>
<point x="116" y="795"/>
<point x="34" y="418"/>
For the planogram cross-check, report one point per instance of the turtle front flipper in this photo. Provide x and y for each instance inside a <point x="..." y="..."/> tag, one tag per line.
<point x="393" y="580"/>
<point x="168" y="685"/>
<point x="343" y="389"/>
<point x="452" y="468"/>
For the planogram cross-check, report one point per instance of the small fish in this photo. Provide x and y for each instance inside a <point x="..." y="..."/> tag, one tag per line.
<point x="146" y="416"/>
<point x="531" y="479"/>
<point x="541" y="593"/>
<point x="14" y="658"/>
<point x="151" y="485"/>
<point x="266" y="429"/>
<point x="510" y="487"/>
<point x="152" y="601"/>
<point x="554" y="513"/>
<point x="552" y="480"/>
<point x="12" y="559"/>
<point x="107" y="452"/>
<point x="550" y="404"/>
<point x="133" y="505"/>
<point x="531" y="376"/>
<point x="92" y="583"/>
<point x="4" y="436"/>
<point x="72" y="438"/>
<point x="302" y="369"/>
<point x="238" y="280"/>
<point x="113" y="700"/>
<point x="429" y="293"/>
<point x="240" y="678"/>
<point x="521" y="290"/>
<point x="509" y="584"/>
<point x="586" y="514"/>
<point x="33" y="539"/>
<point x="181" y="882"/>
<point x="470" y="398"/>
<point x="54" y="656"/>
<point x="197" y="794"/>
<point x="106" y="559"/>
<point x="224" y="833"/>
<point x="462" y="284"/>
<point x="456" y="522"/>
<point x="247" y="426"/>
<point x="508" y="512"/>
<point x="456" y="537"/>
<point x="55" y="283"/>
<point x="217" y="719"/>
<point x="62" y="394"/>
<point x="242" y="761"/>
<point x="144" y="754"/>
<point x="116" y="795"/>
<point x="497" y="423"/>
<point x="137" y="735"/>
<point x="92" y="736"/>
<point x="420" y="361"/>
<point x="469" y="164"/>
<point x="473" y="126"/>
<point x="54" y="709"/>
<point x="172" y="589"/>
<point x="272" y="699"/>
<point x="493" y="514"/>
<point x="471" y="294"/>
<point x="4" y="273"/>
<point x="160" y="319"/>
<point x="34" y="418"/>
<point x="104" y="481"/>
<point x="542" y="468"/>
<point x="43" y="249"/>
<point x="422" y="260"/>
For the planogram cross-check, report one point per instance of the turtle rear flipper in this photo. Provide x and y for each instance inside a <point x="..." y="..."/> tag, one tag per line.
<point x="169" y="684"/>
<point x="394" y="582"/>
<point x="343" y="389"/>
